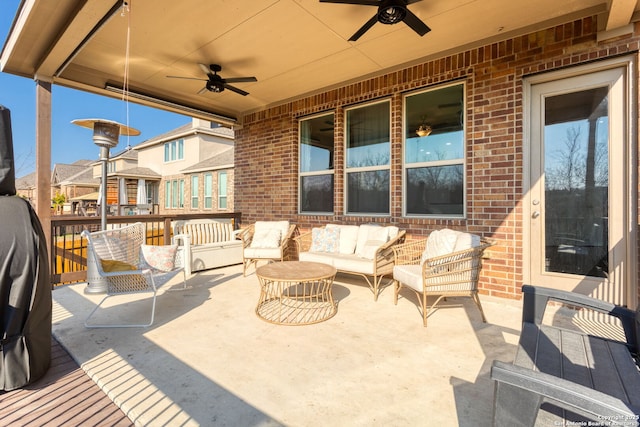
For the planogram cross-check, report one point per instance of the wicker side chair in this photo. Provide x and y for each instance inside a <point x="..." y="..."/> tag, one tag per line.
<point x="130" y="267"/>
<point x="266" y="241"/>
<point x="451" y="275"/>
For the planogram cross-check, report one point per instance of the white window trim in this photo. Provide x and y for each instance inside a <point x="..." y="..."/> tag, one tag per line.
<point x="313" y="173"/>
<point x="436" y="163"/>
<point x="348" y="170"/>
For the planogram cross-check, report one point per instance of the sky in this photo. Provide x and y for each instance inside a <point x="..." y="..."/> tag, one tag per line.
<point x="69" y="142"/>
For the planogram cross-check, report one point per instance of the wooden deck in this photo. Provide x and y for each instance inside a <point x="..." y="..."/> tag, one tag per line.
<point x="65" y="396"/>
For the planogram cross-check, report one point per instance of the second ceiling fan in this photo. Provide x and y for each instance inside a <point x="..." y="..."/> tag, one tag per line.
<point x="389" y="12"/>
<point x="215" y="82"/>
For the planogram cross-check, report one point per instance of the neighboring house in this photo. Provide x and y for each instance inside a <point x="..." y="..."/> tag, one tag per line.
<point x="186" y="170"/>
<point x="74" y="181"/>
<point x="195" y="163"/>
<point x="26" y="186"/>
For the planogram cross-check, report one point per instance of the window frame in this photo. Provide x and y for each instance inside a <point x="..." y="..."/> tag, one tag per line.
<point x="195" y="192"/>
<point x="174" y="193"/>
<point x="223" y="193"/>
<point x="347" y="170"/>
<point x="174" y="150"/>
<point x="435" y="163"/>
<point x="208" y="191"/>
<point x="324" y="172"/>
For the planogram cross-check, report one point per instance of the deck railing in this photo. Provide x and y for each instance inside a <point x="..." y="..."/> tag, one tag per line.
<point x="68" y="251"/>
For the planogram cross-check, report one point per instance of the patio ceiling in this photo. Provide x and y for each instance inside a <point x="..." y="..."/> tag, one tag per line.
<point x="293" y="47"/>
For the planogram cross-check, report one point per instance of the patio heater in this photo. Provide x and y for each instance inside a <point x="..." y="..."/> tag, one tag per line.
<point x="105" y="136"/>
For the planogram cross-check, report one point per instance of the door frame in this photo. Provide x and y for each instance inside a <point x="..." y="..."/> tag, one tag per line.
<point x="628" y="64"/>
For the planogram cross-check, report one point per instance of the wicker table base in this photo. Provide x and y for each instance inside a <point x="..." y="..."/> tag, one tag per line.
<point x="296" y="292"/>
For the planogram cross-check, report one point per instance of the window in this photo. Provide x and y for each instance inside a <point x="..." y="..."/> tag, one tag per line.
<point x="152" y="191"/>
<point x="368" y="159"/>
<point x="194" y="191"/>
<point x="222" y="190"/>
<point x="208" y="190"/>
<point x="316" y="164"/>
<point x="174" y="194"/>
<point x="174" y="150"/>
<point x="434" y="163"/>
<point x="167" y="194"/>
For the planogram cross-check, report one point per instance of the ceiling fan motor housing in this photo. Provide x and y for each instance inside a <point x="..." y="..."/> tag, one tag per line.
<point x="391" y="12"/>
<point x="215" y="86"/>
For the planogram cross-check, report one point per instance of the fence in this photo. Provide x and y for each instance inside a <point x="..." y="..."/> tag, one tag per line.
<point x="68" y="251"/>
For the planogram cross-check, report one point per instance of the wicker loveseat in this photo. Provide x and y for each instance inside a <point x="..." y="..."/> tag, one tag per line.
<point x="364" y="250"/>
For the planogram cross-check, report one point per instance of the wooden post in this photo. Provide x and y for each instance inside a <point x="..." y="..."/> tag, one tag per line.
<point x="43" y="156"/>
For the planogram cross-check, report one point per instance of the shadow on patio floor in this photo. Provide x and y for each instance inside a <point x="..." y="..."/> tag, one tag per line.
<point x="209" y="360"/>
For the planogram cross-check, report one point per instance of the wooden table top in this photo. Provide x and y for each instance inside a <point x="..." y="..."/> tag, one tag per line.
<point x="295" y="271"/>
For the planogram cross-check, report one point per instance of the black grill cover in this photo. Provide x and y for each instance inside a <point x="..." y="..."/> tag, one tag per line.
<point x="25" y="288"/>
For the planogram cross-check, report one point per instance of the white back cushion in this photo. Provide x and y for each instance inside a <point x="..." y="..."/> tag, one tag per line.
<point x="261" y="227"/>
<point x="446" y="241"/>
<point x="348" y="237"/>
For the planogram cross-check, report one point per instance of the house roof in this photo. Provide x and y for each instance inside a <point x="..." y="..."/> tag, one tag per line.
<point x="136" y="172"/>
<point x="84" y="177"/>
<point x="293" y="48"/>
<point x="62" y="172"/>
<point x="26" y="182"/>
<point x="223" y="160"/>
<point x="185" y="130"/>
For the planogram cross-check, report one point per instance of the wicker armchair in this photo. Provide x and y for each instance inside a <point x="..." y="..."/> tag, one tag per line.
<point x="454" y="274"/>
<point x="271" y="247"/>
<point x="131" y="267"/>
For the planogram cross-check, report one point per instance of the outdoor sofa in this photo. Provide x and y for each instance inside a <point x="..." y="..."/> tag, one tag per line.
<point x="365" y="250"/>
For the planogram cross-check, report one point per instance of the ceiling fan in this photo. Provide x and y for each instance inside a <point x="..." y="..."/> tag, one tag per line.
<point x="389" y="12"/>
<point x="215" y="83"/>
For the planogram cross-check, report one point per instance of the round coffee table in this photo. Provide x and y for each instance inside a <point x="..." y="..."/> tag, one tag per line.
<point x="296" y="292"/>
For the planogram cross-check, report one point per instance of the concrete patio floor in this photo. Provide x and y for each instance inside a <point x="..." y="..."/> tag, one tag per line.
<point x="209" y="360"/>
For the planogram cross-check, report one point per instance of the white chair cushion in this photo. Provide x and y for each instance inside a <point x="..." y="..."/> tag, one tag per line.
<point x="266" y="239"/>
<point x="348" y="237"/>
<point x="409" y="275"/>
<point x="283" y="226"/>
<point x="262" y="253"/>
<point x="446" y="241"/>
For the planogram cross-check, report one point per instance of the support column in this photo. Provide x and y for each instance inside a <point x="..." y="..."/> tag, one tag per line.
<point x="43" y="157"/>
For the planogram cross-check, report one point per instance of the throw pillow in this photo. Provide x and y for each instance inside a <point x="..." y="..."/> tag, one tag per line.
<point x="370" y="233"/>
<point x="161" y="258"/>
<point x="370" y="247"/>
<point x="325" y="240"/>
<point x="266" y="239"/>
<point x="111" y="265"/>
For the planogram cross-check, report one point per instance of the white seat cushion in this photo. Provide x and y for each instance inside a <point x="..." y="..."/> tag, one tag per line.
<point x="262" y="253"/>
<point x="409" y="275"/>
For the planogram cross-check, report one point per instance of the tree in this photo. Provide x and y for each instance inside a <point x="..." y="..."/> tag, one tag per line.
<point x="58" y="201"/>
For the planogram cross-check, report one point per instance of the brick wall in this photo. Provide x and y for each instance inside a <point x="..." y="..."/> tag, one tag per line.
<point x="267" y="145"/>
